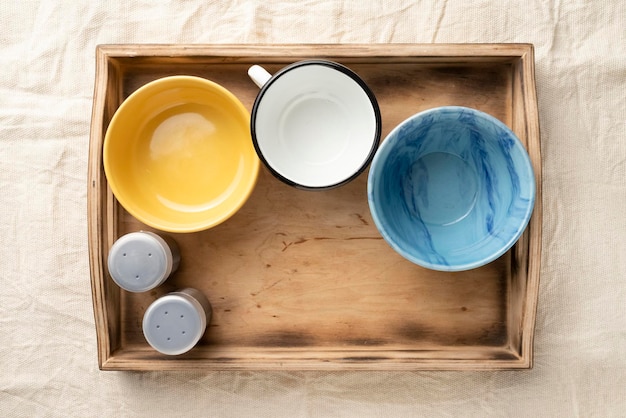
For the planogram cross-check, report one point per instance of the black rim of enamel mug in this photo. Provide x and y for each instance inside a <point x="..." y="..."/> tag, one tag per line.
<point x="353" y="76"/>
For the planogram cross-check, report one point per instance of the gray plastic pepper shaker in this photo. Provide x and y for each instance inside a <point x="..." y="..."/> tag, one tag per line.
<point x="173" y="324"/>
<point x="141" y="261"/>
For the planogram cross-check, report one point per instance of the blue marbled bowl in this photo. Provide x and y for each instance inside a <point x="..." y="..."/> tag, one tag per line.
<point x="451" y="188"/>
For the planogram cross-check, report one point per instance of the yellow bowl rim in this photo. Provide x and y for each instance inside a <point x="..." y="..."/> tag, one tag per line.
<point x="183" y="228"/>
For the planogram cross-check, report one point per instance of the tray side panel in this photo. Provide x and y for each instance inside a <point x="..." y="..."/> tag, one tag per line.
<point x="97" y="213"/>
<point x="528" y="252"/>
<point x="285" y="53"/>
<point x="393" y="359"/>
<point x="103" y="209"/>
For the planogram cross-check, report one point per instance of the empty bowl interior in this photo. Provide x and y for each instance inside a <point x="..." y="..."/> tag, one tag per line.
<point x="451" y="188"/>
<point x="178" y="154"/>
<point x="315" y="125"/>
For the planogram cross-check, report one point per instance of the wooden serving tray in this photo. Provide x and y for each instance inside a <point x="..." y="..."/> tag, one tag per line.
<point x="303" y="280"/>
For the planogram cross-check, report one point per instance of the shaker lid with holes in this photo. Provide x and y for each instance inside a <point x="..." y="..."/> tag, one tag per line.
<point x="140" y="261"/>
<point x="174" y="323"/>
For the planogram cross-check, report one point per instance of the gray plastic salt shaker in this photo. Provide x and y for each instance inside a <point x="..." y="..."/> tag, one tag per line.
<point x="173" y="324"/>
<point x="141" y="261"/>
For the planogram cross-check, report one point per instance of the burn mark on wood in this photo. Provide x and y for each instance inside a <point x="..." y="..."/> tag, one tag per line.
<point x="415" y="332"/>
<point x="492" y="335"/>
<point x="361" y="218"/>
<point x="365" y="342"/>
<point x="285" y="339"/>
<point x="456" y="70"/>
<point x="365" y="358"/>
<point x="505" y="356"/>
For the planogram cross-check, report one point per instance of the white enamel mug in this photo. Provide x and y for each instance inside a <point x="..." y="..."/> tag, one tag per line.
<point x="315" y="124"/>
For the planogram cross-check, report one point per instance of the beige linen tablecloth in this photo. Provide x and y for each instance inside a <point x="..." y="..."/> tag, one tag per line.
<point x="48" y="362"/>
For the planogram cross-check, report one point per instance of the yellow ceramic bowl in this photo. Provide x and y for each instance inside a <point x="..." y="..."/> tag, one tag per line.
<point x="178" y="154"/>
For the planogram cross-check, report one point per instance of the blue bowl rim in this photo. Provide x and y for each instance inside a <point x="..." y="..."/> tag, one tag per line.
<point x="390" y="140"/>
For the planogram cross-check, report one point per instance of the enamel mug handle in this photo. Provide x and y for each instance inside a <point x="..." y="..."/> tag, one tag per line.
<point x="259" y="75"/>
